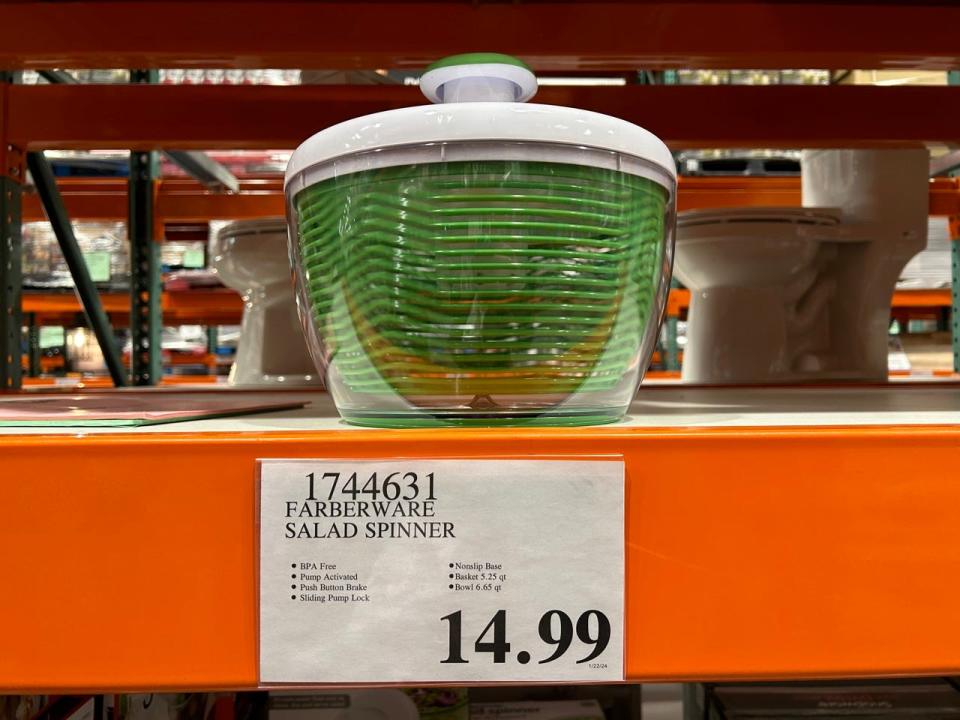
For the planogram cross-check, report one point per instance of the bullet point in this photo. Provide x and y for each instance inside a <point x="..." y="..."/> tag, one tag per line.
<point x="294" y="576"/>
<point x="293" y="587"/>
<point x="451" y="564"/>
<point x="450" y="586"/>
<point x="294" y="565"/>
<point x="293" y="597"/>
<point x="451" y="576"/>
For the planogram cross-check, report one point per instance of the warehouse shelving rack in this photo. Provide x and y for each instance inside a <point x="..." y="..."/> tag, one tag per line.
<point x="771" y="533"/>
<point x="183" y="200"/>
<point x="179" y="201"/>
<point x="179" y="307"/>
<point x="224" y="306"/>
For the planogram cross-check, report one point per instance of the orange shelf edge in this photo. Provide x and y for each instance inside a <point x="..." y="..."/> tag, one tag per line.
<point x="679" y="300"/>
<point x="229" y="117"/>
<point x="568" y="36"/>
<point x="561" y="36"/>
<point x="750" y="553"/>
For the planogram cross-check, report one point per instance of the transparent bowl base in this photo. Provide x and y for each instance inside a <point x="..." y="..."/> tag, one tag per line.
<point x="482" y="413"/>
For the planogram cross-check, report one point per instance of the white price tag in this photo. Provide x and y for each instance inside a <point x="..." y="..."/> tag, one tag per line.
<point x="415" y="571"/>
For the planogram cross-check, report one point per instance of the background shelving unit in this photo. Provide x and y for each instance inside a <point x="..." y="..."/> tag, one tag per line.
<point x="185" y="307"/>
<point x="181" y="202"/>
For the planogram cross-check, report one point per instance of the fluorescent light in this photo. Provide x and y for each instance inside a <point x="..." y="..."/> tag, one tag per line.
<point x="610" y="81"/>
<point x="568" y="81"/>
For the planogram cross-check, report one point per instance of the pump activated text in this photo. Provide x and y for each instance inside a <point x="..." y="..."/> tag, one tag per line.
<point x="343" y="506"/>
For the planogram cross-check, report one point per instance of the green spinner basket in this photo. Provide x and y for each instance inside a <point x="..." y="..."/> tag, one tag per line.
<point x="479" y="280"/>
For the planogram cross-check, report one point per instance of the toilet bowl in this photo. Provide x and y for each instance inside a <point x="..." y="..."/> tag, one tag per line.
<point x="803" y="294"/>
<point x="757" y="286"/>
<point x="251" y="257"/>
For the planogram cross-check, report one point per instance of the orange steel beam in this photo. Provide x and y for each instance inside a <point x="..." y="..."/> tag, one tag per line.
<point x="718" y="192"/>
<point x="76" y="381"/>
<point x="85" y="199"/>
<point x="224" y="307"/>
<point x="715" y="192"/>
<point x="57" y="303"/>
<point x="679" y="300"/>
<point x="186" y="200"/>
<point x="661" y="375"/>
<point x="922" y="299"/>
<point x="48" y="364"/>
<point x="197" y="307"/>
<point x="181" y="200"/>
<point x="549" y="35"/>
<point x="231" y="117"/>
<point x="202" y="307"/>
<point x="839" y="562"/>
<point x="176" y="200"/>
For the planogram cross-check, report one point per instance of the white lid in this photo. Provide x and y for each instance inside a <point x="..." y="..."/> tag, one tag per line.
<point x="477" y="120"/>
<point x="759" y="215"/>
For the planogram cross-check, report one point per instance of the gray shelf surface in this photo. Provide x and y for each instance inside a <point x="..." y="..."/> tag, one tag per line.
<point x="657" y="407"/>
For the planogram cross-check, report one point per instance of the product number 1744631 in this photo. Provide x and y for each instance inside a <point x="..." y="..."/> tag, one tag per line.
<point x="394" y="486"/>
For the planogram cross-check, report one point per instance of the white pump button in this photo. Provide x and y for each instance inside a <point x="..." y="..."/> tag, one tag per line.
<point x="478" y="77"/>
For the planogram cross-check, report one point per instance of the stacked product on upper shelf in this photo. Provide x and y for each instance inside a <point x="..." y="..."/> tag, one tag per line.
<point x="103" y="244"/>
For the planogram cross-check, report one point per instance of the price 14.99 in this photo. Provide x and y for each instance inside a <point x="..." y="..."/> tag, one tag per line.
<point x="555" y="628"/>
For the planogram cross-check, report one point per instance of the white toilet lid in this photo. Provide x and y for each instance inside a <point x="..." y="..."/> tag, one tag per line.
<point x="761" y="215"/>
<point x="256" y="226"/>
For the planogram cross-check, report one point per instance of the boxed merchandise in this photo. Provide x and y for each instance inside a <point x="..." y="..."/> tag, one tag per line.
<point x="103" y="244"/>
<point x="169" y="706"/>
<point x="928" y="698"/>
<point x="553" y="710"/>
<point x="385" y="704"/>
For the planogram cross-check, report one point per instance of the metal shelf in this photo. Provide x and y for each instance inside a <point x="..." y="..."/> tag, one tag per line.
<point x="177" y="200"/>
<point x="554" y="35"/>
<point x="182" y="307"/>
<point x="183" y="201"/>
<point x="79" y="382"/>
<point x="931" y="299"/>
<point x="225" y="307"/>
<point x="272" y="117"/>
<point x="771" y="533"/>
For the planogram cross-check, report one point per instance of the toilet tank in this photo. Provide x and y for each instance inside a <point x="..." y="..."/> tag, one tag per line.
<point x="882" y="187"/>
<point x="882" y="195"/>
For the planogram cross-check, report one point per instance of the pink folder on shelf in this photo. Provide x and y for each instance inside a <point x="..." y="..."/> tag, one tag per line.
<point x="131" y="409"/>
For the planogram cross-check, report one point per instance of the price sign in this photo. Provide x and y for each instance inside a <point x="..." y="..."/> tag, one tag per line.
<point x="414" y="571"/>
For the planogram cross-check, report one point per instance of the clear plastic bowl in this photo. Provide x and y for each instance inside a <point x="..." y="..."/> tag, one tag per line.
<point x="464" y="283"/>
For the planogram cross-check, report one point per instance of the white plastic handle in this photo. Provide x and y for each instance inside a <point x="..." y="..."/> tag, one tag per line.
<point x="484" y="82"/>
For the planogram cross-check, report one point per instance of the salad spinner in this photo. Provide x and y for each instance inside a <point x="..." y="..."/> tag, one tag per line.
<point x="481" y="260"/>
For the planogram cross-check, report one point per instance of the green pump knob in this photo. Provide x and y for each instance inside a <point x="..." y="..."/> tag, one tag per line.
<point x="478" y="77"/>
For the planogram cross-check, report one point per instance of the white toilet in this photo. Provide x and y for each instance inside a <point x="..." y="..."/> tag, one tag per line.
<point x="250" y="256"/>
<point x="803" y="294"/>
